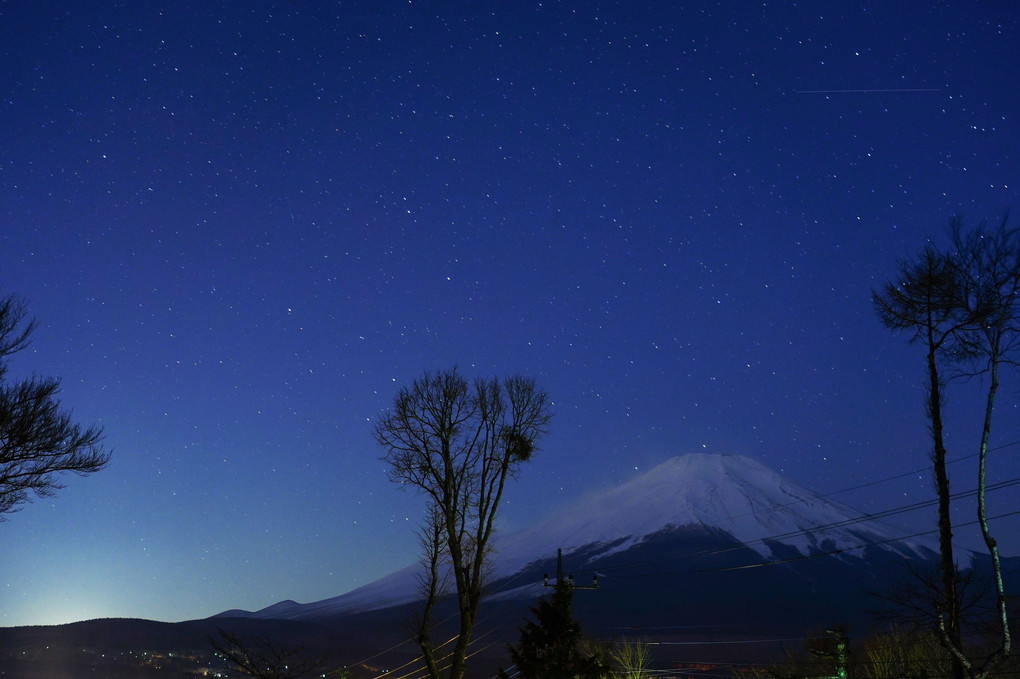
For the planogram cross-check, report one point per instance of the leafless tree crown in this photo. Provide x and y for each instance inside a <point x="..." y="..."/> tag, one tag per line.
<point x="263" y="658"/>
<point x="38" y="439"/>
<point x="458" y="442"/>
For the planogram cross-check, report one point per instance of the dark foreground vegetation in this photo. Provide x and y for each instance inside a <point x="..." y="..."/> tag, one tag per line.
<point x="363" y="649"/>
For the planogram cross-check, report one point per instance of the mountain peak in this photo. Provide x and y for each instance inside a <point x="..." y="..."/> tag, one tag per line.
<point x="714" y="468"/>
<point x="732" y="493"/>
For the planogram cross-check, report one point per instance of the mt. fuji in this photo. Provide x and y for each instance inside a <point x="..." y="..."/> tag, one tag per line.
<point x="730" y="493"/>
<point x="721" y="512"/>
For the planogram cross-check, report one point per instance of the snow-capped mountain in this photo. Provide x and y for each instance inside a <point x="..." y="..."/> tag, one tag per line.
<point x="732" y="499"/>
<point x="731" y="493"/>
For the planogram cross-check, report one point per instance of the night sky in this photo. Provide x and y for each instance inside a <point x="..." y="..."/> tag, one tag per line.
<point x="243" y="226"/>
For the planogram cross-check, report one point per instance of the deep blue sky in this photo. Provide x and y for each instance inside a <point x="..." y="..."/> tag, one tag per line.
<point x="243" y="225"/>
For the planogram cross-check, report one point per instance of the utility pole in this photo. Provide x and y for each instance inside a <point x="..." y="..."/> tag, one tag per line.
<point x="570" y="578"/>
<point x="550" y="645"/>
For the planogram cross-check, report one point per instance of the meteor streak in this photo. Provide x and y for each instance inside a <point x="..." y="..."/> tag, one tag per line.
<point x="914" y="89"/>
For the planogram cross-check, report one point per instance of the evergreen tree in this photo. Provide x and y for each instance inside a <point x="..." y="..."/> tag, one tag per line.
<point x="550" y="644"/>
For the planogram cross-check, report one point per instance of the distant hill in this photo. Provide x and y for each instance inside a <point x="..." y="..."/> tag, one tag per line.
<point x="703" y="548"/>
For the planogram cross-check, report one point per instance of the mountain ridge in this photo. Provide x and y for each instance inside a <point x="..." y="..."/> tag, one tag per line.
<point x="740" y="497"/>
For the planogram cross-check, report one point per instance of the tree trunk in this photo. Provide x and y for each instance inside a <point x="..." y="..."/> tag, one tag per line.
<point x="458" y="662"/>
<point x="950" y="615"/>
<point x="993" y="550"/>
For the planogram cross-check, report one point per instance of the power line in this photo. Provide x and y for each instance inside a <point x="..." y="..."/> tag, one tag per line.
<point x="802" y="557"/>
<point x="886" y="479"/>
<point x="847" y="549"/>
<point x="823" y="527"/>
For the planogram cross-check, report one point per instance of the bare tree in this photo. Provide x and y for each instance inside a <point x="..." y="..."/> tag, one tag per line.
<point x="38" y="440"/>
<point x="989" y="264"/>
<point x="904" y="653"/>
<point x="262" y="658"/>
<point x="912" y="601"/>
<point x="433" y="583"/>
<point x="923" y="300"/>
<point x="458" y="442"/>
<point x="630" y="659"/>
<point x="966" y="304"/>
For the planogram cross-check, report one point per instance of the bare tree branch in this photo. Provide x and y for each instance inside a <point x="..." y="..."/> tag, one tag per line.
<point x="262" y="658"/>
<point x="38" y="439"/>
<point x="458" y="442"/>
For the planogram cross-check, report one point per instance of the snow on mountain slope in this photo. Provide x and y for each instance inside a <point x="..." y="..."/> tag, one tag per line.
<point x="728" y="492"/>
<point x="395" y="589"/>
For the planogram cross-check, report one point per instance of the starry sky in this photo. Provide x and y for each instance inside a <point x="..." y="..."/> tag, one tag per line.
<point x="243" y="226"/>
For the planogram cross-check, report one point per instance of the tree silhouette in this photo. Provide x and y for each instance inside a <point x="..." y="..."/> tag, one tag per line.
<point x="549" y="647"/>
<point x="989" y="269"/>
<point x="923" y="300"/>
<point x="262" y="658"/>
<point x="964" y="303"/>
<point x="38" y="440"/>
<point x="457" y="442"/>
